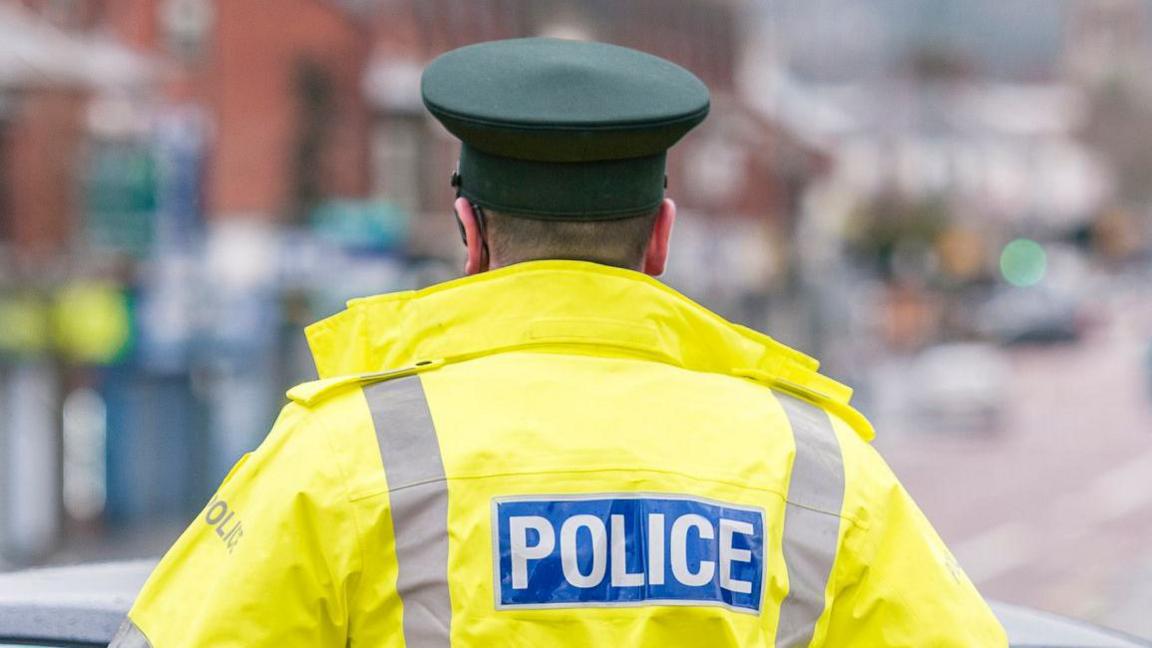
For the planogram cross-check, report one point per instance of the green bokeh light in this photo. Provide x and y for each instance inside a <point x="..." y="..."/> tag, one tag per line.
<point x="1023" y="262"/>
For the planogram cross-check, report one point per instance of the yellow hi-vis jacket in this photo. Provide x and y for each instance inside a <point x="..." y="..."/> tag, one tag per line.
<point x="559" y="454"/>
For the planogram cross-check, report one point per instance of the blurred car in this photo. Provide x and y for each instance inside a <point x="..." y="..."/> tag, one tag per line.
<point x="1032" y="315"/>
<point x="82" y="606"/>
<point x="960" y="387"/>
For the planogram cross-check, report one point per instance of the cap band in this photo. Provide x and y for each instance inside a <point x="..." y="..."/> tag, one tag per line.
<point x="599" y="190"/>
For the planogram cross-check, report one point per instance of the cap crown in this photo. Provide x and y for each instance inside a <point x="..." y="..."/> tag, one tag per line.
<point x="547" y="125"/>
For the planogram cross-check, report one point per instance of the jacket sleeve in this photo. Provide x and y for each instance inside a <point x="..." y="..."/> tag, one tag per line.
<point x="896" y="583"/>
<point x="267" y="560"/>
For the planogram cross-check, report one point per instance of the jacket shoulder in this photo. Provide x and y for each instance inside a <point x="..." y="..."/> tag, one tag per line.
<point x="331" y="413"/>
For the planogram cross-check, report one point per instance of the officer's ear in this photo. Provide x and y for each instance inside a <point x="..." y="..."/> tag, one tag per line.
<point x="476" y="261"/>
<point x="656" y="254"/>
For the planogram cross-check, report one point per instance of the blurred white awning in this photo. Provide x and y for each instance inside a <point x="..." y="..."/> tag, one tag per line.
<point x="35" y="53"/>
<point x="392" y="84"/>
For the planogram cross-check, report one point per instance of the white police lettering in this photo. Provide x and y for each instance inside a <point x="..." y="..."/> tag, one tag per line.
<point x="522" y="552"/>
<point x="655" y="548"/>
<point x="730" y="554"/>
<point x="571" y="541"/>
<point x="621" y="577"/>
<point x="568" y="550"/>
<point x="680" y="567"/>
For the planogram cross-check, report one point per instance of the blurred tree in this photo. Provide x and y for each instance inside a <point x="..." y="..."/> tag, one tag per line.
<point x="890" y="224"/>
<point x="963" y="253"/>
<point x="1116" y="236"/>
<point x="938" y="63"/>
<point x="1117" y="125"/>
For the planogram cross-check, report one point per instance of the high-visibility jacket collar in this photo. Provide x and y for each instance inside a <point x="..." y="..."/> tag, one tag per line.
<point x="562" y="306"/>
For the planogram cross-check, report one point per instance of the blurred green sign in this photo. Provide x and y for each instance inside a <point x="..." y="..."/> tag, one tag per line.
<point x="120" y="196"/>
<point x="376" y="226"/>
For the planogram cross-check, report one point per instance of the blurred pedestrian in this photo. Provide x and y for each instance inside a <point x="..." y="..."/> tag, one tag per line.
<point x="558" y="450"/>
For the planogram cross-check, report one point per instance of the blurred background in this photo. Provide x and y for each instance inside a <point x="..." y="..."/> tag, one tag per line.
<point x="945" y="200"/>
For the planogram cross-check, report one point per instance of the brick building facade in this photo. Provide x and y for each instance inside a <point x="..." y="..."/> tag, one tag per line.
<point x="309" y="100"/>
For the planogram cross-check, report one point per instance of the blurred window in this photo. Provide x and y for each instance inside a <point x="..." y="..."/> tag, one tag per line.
<point x="187" y="26"/>
<point x="314" y="93"/>
<point x="397" y="149"/>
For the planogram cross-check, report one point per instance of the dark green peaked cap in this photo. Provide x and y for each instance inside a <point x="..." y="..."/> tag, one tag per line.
<point x="562" y="129"/>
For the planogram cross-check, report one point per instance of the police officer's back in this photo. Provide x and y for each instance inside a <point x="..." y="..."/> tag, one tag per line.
<point x="558" y="450"/>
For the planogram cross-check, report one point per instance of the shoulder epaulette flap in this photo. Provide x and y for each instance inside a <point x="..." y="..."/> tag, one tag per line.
<point x="818" y="389"/>
<point x="311" y="393"/>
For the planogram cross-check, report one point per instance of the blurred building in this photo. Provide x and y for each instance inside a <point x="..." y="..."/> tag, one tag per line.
<point x="947" y="141"/>
<point x="287" y="114"/>
<point x="1109" y="42"/>
<point x="185" y="183"/>
<point x="1002" y="153"/>
<point x="737" y="166"/>
<point x="304" y="101"/>
<point x="47" y="77"/>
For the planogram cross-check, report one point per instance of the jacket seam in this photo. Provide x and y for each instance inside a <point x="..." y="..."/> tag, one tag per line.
<point x="381" y="490"/>
<point x="353" y="514"/>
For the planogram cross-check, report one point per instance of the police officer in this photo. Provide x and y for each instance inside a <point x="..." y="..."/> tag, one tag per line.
<point x="558" y="450"/>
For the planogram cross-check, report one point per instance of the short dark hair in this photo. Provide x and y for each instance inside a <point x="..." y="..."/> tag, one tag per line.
<point x="617" y="242"/>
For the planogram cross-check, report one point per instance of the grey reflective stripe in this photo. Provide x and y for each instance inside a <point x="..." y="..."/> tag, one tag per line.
<point x="418" y="497"/>
<point x="129" y="636"/>
<point x="811" y="520"/>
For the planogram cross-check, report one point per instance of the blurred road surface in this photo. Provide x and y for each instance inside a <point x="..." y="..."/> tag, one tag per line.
<point x="1055" y="510"/>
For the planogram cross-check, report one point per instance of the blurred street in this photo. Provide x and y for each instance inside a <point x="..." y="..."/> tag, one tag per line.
<point x="944" y="201"/>
<point x="1073" y="536"/>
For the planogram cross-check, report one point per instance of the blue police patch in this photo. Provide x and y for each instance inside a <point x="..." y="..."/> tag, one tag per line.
<point x="627" y="549"/>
